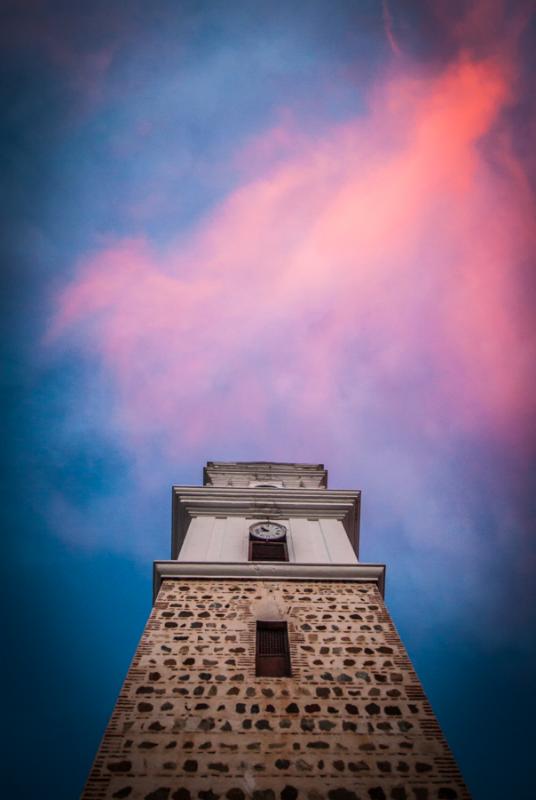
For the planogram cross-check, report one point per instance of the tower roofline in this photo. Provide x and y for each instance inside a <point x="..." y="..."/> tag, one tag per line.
<point x="274" y="464"/>
<point x="265" y="469"/>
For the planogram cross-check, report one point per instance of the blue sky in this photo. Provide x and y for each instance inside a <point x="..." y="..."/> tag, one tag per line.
<point x="297" y="232"/>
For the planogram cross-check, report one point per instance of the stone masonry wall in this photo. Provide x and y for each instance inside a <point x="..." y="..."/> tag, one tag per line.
<point x="193" y="722"/>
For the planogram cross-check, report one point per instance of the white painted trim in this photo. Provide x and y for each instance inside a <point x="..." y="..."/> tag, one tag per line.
<point x="183" y="570"/>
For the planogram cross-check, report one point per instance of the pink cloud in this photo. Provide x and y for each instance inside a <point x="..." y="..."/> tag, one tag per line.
<point x="373" y="268"/>
<point x="388" y="27"/>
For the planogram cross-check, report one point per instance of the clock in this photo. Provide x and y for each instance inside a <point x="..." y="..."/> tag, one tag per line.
<point x="268" y="531"/>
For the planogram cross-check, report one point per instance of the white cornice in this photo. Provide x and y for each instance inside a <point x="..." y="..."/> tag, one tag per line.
<point x="272" y="503"/>
<point x="247" y="570"/>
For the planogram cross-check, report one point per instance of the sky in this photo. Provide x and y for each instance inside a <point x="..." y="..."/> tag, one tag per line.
<point x="292" y="231"/>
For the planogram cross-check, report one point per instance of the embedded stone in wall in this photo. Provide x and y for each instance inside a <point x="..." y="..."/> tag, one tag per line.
<point x="193" y="720"/>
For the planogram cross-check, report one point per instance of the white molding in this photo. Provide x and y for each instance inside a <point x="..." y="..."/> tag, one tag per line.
<point x="184" y="570"/>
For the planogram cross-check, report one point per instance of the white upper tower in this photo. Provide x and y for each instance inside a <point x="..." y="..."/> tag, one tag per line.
<point x="321" y="525"/>
<point x="268" y="519"/>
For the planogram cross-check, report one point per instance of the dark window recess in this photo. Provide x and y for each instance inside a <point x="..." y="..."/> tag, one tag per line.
<point x="272" y="652"/>
<point x="268" y="551"/>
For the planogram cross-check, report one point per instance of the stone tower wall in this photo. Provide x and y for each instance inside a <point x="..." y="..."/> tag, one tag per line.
<point x="193" y="721"/>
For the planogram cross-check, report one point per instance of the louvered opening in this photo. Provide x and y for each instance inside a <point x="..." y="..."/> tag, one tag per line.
<point x="268" y="551"/>
<point x="272" y="650"/>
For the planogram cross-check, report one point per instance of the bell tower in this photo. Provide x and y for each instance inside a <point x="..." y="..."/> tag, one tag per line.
<point x="269" y="667"/>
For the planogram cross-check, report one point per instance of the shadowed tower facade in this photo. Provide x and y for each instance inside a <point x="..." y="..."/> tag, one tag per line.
<point x="269" y="667"/>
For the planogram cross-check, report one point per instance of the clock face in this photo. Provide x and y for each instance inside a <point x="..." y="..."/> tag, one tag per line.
<point x="268" y="531"/>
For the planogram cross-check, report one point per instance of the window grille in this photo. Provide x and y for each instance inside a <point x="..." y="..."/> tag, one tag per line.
<point x="268" y="551"/>
<point x="272" y="658"/>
